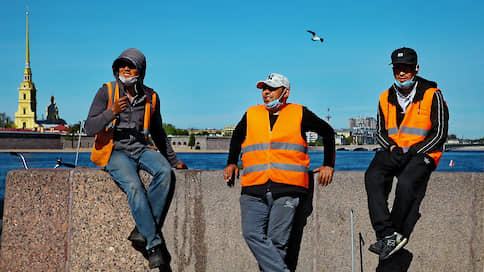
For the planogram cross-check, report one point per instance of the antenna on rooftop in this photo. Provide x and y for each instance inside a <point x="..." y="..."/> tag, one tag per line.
<point x="328" y="117"/>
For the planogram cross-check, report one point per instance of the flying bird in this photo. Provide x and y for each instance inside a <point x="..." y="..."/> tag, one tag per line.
<point x="315" y="38"/>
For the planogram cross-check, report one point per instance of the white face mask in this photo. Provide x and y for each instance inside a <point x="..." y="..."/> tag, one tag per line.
<point x="276" y="104"/>
<point x="128" y="81"/>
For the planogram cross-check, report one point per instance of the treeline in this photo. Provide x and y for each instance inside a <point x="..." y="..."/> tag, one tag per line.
<point x="172" y="130"/>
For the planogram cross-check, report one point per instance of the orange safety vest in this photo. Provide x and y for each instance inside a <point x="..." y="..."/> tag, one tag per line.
<point x="281" y="154"/>
<point x="103" y="142"/>
<point x="416" y="123"/>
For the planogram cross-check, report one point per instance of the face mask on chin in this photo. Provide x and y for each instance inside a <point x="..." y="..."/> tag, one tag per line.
<point x="406" y="84"/>
<point x="276" y="104"/>
<point x="128" y="81"/>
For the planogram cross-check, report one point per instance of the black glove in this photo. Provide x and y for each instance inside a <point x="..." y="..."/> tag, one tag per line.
<point x="397" y="156"/>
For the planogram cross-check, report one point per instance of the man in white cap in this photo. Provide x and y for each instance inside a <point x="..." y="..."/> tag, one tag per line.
<point x="271" y="138"/>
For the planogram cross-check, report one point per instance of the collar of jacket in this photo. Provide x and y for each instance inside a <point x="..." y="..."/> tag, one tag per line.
<point x="422" y="86"/>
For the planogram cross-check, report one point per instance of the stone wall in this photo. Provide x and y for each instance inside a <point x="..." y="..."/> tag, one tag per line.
<point x="202" y="142"/>
<point x="78" y="220"/>
<point x="29" y="140"/>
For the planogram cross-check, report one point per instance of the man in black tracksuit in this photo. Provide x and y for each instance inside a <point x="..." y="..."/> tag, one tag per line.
<point x="412" y="128"/>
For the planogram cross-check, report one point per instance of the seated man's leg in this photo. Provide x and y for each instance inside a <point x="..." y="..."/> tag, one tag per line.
<point x="124" y="172"/>
<point x="378" y="183"/>
<point x="255" y="216"/>
<point x="281" y="220"/>
<point x="156" y="164"/>
<point x="410" y="191"/>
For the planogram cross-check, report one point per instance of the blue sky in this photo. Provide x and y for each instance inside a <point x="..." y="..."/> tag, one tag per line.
<point x="205" y="57"/>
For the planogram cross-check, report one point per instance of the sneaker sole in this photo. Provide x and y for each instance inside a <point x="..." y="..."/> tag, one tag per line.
<point x="373" y="250"/>
<point x="397" y="248"/>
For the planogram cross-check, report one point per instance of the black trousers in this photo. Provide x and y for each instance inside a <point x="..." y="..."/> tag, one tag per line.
<point x="412" y="176"/>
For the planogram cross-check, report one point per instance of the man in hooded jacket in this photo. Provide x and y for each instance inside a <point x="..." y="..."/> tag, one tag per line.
<point x="131" y="151"/>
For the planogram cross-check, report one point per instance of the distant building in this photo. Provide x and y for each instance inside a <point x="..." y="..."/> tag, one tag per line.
<point x="368" y="122"/>
<point x="206" y="131"/>
<point x="363" y="130"/>
<point x="228" y="130"/>
<point x="26" y="115"/>
<point x="52" y="119"/>
<point x="341" y="135"/>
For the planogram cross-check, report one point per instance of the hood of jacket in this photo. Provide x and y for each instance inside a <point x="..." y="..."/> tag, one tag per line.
<point x="136" y="57"/>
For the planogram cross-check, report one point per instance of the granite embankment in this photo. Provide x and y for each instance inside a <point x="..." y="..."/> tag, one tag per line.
<point x="78" y="220"/>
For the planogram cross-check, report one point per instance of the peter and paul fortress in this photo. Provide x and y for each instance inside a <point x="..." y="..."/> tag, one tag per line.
<point x="26" y="115"/>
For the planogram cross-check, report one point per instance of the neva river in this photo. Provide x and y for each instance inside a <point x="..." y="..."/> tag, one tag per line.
<point x="464" y="161"/>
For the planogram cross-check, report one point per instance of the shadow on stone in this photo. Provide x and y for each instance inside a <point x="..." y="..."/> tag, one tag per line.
<point x="399" y="262"/>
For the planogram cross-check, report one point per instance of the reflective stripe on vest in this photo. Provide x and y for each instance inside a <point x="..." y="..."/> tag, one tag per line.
<point x="281" y="154"/>
<point x="415" y="125"/>
<point x="149" y="110"/>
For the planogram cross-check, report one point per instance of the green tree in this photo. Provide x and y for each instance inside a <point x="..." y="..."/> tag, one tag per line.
<point x="452" y="137"/>
<point x="169" y="129"/>
<point x="6" y="121"/>
<point x="191" y="140"/>
<point x="349" y="140"/>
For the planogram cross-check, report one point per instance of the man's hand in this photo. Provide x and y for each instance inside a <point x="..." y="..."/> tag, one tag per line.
<point x="119" y="105"/>
<point x="229" y="172"/>
<point x="325" y="175"/>
<point x="181" y="165"/>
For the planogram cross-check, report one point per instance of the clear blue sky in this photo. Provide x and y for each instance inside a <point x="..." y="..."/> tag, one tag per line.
<point x="205" y="57"/>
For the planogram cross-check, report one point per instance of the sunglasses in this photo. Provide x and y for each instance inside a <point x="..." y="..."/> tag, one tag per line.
<point x="128" y="64"/>
<point x="270" y="88"/>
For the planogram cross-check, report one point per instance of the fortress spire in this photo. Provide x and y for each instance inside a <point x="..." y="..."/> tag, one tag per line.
<point x="27" y="70"/>
<point x="26" y="115"/>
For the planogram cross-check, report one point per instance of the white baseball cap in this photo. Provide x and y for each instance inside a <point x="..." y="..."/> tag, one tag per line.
<point x="275" y="81"/>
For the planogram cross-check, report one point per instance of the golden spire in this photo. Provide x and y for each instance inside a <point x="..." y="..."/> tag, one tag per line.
<point x="27" y="71"/>
<point x="27" y="55"/>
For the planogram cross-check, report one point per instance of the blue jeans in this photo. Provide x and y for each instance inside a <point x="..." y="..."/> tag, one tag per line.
<point x="266" y="227"/>
<point x="146" y="206"/>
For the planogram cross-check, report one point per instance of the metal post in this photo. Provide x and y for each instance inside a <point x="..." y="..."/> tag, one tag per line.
<point x="79" y="142"/>
<point x="352" y="244"/>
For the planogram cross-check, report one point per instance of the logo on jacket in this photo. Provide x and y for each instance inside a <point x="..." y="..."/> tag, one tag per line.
<point x="426" y="160"/>
<point x="289" y="204"/>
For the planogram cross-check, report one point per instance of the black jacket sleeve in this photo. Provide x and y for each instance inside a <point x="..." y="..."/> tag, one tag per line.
<point x="437" y="136"/>
<point x="238" y="137"/>
<point x="311" y="122"/>
<point x="99" y="116"/>
<point x="381" y="132"/>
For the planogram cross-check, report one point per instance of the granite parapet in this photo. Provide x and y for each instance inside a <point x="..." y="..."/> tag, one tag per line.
<point x="79" y="219"/>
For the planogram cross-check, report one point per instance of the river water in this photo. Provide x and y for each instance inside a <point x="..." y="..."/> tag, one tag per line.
<point x="463" y="161"/>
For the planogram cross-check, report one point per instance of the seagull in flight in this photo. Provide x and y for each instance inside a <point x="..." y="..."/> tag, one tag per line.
<point x="315" y="38"/>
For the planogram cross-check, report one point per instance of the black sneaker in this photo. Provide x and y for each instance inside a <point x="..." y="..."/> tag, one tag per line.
<point x="137" y="238"/>
<point x="392" y="244"/>
<point x="377" y="247"/>
<point x="154" y="257"/>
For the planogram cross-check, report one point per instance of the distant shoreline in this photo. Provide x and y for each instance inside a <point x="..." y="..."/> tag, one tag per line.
<point x="188" y="150"/>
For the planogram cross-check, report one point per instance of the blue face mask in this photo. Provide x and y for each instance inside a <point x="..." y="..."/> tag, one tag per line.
<point x="276" y="104"/>
<point x="406" y="84"/>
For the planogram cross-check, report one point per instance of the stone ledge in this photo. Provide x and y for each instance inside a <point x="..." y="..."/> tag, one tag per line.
<point x="78" y="220"/>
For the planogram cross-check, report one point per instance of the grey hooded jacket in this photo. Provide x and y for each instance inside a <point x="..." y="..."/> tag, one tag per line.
<point x="128" y="131"/>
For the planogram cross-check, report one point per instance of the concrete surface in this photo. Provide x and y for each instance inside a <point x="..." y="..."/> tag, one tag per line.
<point x="78" y="220"/>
